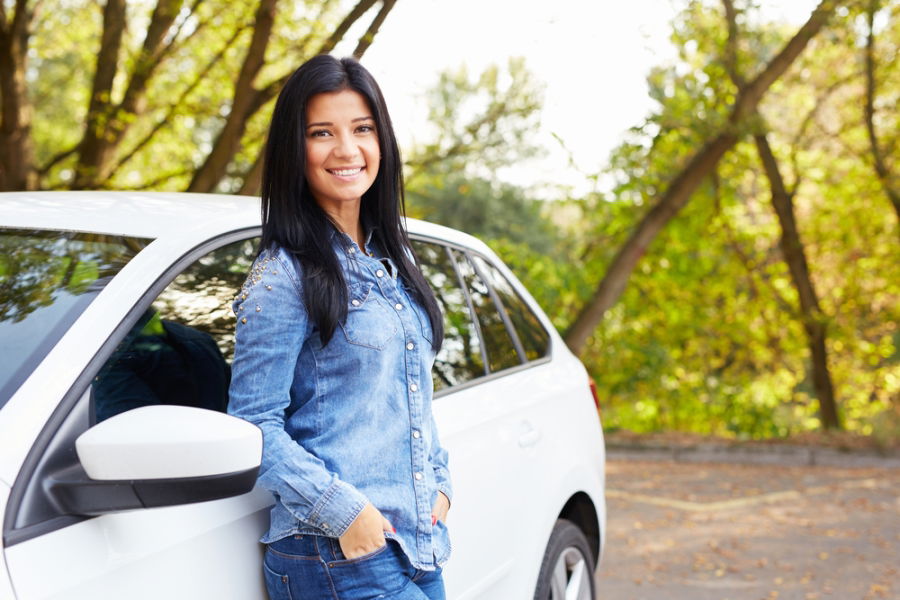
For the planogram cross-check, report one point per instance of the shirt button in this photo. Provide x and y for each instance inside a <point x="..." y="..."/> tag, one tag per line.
<point x="324" y="525"/>
<point x="418" y="475"/>
<point x="398" y="306"/>
<point x="413" y="387"/>
<point x="351" y="250"/>
<point x="379" y="273"/>
<point x="355" y="302"/>
<point x="416" y="434"/>
<point x="410" y="346"/>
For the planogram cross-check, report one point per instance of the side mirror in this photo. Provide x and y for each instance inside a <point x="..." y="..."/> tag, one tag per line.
<point x="159" y="456"/>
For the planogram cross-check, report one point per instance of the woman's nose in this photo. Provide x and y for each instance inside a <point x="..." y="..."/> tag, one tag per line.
<point x="346" y="147"/>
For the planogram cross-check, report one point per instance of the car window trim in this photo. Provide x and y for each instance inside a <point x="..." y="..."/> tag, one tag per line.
<point x="492" y="376"/>
<point x="13" y="536"/>
<point x="473" y="318"/>
<point x="538" y="314"/>
<point x="504" y="316"/>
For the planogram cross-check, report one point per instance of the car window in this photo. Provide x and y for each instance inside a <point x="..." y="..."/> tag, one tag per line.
<point x="47" y="279"/>
<point x="534" y="338"/>
<point x="500" y="347"/>
<point x="180" y="350"/>
<point x="460" y="358"/>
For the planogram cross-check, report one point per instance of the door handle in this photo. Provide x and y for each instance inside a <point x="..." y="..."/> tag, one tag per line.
<point x="531" y="437"/>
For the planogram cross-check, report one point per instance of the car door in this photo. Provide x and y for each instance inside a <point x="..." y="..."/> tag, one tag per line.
<point x="550" y="411"/>
<point x="476" y="411"/>
<point x="175" y="350"/>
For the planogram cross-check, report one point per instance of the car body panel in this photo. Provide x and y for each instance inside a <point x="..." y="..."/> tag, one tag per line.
<point x="6" y="589"/>
<point x="193" y="545"/>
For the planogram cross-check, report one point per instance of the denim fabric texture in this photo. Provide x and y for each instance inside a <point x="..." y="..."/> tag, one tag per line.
<point x="312" y="567"/>
<point x="347" y="422"/>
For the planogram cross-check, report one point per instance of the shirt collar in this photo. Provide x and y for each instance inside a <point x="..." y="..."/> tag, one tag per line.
<point x="346" y="242"/>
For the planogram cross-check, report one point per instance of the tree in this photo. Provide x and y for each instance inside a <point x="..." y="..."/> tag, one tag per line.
<point x="479" y="124"/>
<point x="791" y="246"/>
<point x="162" y="108"/>
<point x="682" y="185"/>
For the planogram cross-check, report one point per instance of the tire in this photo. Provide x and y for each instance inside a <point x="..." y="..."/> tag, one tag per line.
<point x="567" y="570"/>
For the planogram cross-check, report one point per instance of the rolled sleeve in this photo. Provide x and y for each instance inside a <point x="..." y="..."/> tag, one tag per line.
<point x="272" y="326"/>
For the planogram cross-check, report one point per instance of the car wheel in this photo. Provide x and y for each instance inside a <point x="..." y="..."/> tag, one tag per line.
<point x="567" y="571"/>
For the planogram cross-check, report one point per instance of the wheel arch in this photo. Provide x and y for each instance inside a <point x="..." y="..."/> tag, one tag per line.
<point x="580" y="510"/>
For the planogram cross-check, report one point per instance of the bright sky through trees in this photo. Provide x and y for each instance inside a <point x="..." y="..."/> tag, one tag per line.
<point x="593" y="57"/>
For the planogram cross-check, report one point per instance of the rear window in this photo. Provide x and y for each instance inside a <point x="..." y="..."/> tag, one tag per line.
<point x="47" y="279"/>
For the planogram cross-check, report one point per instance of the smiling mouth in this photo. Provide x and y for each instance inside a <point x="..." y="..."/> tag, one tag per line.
<point x="345" y="172"/>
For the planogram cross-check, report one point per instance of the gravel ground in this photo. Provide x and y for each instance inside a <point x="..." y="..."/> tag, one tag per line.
<point x="681" y="531"/>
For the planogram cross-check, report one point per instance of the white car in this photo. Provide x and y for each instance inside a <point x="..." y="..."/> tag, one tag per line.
<point x="121" y="477"/>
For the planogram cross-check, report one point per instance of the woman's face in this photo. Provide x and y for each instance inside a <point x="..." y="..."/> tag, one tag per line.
<point x="342" y="153"/>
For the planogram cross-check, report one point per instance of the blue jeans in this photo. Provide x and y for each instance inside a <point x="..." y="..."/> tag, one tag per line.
<point x="312" y="567"/>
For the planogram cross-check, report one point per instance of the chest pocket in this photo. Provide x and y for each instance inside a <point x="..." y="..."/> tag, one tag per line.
<point x="370" y="322"/>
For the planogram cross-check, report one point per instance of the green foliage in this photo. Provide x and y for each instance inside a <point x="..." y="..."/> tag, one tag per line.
<point x="707" y="336"/>
<point x="478" y="124"/>
<point x="187" y="98"/>
<point x="490" y="210"/>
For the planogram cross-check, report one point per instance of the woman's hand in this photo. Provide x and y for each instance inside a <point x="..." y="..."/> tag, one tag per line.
<point x="440" y="508"/>
<point x="366" y="532"/>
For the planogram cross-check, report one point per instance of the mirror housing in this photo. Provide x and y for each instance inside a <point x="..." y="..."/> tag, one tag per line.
<point x="157" y="456"/>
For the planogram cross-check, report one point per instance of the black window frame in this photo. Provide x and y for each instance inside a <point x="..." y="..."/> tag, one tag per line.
<point x="489" y="375"/>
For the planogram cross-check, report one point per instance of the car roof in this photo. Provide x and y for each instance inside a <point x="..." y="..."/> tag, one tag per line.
<point x="159" y="215"/>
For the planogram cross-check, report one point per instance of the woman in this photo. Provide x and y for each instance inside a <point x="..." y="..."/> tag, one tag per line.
<point x="336" y="335"/>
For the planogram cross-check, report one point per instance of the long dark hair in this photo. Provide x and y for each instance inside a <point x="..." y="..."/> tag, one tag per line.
<point x="292" y="219"/>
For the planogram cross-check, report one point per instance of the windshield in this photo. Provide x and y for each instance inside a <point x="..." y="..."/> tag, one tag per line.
<point x="47" y="279"/>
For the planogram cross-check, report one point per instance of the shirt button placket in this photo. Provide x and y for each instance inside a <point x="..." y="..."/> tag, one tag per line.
<point x="423" y="506"/>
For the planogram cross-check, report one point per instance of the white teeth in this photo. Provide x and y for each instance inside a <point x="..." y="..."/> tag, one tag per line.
<point x="346" y="172"/>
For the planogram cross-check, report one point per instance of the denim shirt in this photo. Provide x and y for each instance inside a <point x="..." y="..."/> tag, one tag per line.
<point x="348" y="422"/>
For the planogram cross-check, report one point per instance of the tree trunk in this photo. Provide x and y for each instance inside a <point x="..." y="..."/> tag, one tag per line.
<point x="811" y="314"/>
<point x="881" y="169"/>
<point x="108" y="122"/>
<point x="686" y="182"/>
<point x="17" y="171"/>
<point x="253" y="179"/>
<point x="92" y="148"/>
<point x="228" y="142"/>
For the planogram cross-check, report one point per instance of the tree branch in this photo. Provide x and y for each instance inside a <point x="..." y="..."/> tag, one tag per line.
<point x="731" y="55"/>
<point x="352" y="17"/>
<point x="369" y="36"/>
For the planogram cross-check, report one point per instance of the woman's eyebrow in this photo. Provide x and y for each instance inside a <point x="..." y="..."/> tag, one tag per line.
<point x="329" y="123"/>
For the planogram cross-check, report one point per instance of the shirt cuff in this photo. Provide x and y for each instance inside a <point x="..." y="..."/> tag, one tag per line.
<point x="444" y="487"/>
<point x="337" y="509"/>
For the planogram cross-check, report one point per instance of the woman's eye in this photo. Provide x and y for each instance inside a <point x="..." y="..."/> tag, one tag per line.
<point x="319" y="133"/>
<point x="365" y="129"/>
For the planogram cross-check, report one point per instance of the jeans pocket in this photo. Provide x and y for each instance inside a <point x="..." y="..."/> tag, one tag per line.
<point x="294" y="547"/>
<point x="379" y="574"/>
<point x="277" y="584"/>
<point x="340" y="559"/>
